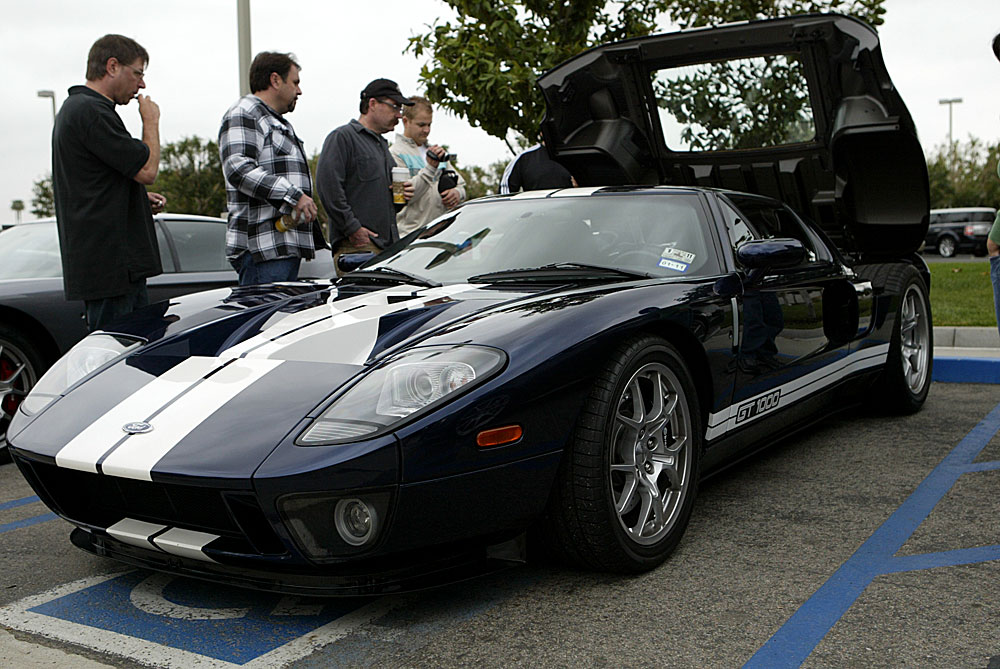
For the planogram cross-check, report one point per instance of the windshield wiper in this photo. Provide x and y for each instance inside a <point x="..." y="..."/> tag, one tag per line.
<point x="559" y="270"/>
<point x="392" y="274"/>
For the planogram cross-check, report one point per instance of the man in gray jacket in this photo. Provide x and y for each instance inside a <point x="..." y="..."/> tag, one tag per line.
<point x="354" y="174"/>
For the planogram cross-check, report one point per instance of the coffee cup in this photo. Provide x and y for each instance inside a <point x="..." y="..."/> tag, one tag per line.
<point x="400" y="175"/>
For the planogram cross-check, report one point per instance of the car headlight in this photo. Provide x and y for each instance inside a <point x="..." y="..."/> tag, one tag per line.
<point x="93" y="352"/>
<point x="406" y="384"/>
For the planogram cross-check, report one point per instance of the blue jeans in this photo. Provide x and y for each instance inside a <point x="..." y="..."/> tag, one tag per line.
<point x="995" y="278"/>
<point x="105" y="310"/>
<point x="253" y="272"/>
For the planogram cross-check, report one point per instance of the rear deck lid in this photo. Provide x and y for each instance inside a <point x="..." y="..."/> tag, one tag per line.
<point x="801" y="109"/>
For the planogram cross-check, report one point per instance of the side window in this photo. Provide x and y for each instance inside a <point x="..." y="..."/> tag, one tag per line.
<point x="771" y="222"/>
<point x="736" y="226"/>
<point x="201" y="245"/>
<point x="166" y="259"/>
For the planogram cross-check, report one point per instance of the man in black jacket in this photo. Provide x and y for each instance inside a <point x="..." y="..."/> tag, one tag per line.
<point x="99" y="179"/>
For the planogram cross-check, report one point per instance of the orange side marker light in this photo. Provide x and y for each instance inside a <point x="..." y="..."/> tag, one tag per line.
<point x="499" y="436"/>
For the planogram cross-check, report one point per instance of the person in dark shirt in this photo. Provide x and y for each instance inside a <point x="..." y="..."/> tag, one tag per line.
<point x="99" y="179"/>
<point x="532" y="169"/>
<point x="354" y="172"/>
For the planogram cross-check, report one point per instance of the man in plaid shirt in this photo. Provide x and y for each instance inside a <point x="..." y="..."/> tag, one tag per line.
<point x="267" y="177"/>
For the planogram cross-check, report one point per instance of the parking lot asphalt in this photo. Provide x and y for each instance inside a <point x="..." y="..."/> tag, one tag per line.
<point x="867" y="540"/>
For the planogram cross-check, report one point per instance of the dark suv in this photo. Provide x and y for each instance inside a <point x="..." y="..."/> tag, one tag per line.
<point x="960" y="230"/>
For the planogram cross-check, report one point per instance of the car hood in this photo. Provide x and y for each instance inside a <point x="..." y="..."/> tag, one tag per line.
<point x="862" y="177"/>
<point x="214" y="400"/>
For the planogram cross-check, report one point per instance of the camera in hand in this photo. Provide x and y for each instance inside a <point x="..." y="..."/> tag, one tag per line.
<point x="444" y="157"/>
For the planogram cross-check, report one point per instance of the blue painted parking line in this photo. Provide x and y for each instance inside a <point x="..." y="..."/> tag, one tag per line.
<point x="13" y="504"/>
<point x="966" y="370"/>
<point x="18" y="524"/>
<point x="801" y="633"/>
<point x="166" y="621"/>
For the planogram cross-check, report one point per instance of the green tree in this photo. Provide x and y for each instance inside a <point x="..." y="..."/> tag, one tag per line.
<point x="43" y="202"/>
<point x="480" y="181"/>
<point x="483" y="65"/>
<point x="190" y="177"/>
<point x="965" y="175"/>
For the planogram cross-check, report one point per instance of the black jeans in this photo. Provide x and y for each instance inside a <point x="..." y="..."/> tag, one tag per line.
<point x="103" y="311"/>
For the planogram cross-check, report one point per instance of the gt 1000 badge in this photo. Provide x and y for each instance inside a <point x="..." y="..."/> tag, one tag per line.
<point x="758" y="406"/>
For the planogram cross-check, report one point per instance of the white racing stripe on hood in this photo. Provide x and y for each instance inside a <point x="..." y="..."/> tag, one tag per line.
<point x="347" y="330"/>
<point x="86" y="449"/>
<point x="137" y="455"/>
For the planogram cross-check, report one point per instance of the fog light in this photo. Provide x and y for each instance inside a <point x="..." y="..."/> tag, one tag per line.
<point x="356" y="522"/>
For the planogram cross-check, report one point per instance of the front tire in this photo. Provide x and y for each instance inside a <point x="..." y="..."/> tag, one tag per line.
<point x="947" y="247"/>
<point x="20" y="367"/>
<point x="629" y="478"/>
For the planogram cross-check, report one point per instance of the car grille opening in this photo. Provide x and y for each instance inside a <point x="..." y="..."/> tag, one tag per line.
<point x="98" y="500"/>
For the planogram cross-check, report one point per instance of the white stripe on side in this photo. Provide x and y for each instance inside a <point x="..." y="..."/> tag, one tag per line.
<point x="136" y="457"/>
<point x="185" y="543"/>
<point x="85" y="450"/>
<point x="721" y="422"/>
<point x="135" y="532"/>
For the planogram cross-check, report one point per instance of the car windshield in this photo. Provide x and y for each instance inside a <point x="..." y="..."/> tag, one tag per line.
<point x="654" y="234"/>
<point x="30" y="251"/>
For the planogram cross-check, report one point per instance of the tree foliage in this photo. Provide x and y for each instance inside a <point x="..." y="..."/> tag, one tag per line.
<point x="480" y="181"/>
<point x="964" y="175"/>
<point x="43" y="202"/>
<point x="483" y="65"/>
<point x="190" y="177"/>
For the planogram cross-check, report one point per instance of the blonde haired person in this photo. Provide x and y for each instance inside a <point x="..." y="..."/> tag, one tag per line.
<point x="433" y="194"/>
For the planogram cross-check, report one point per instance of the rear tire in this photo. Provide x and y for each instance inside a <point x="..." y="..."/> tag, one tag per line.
<point x="903" y="385"/>
<point x="628" y="480"/>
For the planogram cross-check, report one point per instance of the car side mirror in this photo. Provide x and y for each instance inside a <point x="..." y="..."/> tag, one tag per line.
<point x="771" y="254"/>
<point x="349" y="262"/>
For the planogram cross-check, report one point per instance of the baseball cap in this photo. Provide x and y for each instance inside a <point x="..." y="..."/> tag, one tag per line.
<point x="385" y="88"/>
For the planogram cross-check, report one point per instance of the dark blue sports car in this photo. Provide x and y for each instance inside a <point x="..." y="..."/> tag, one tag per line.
<point x="550" y="371"/>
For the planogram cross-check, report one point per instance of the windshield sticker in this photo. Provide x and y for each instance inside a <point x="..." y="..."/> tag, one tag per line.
<point x="674" y="265"/>
<point x="685" y="257"/>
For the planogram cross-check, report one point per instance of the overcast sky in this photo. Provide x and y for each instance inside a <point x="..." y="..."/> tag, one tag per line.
<point x="933" y="50"/>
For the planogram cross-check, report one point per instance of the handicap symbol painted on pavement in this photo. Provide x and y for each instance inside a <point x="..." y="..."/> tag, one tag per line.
<point x="174" y="622"/>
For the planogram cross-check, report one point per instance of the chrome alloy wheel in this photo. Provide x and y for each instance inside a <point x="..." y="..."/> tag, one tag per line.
<point x="16" y="378"/>
<point x="914" y="338"/>
<point x="650" y="453"/>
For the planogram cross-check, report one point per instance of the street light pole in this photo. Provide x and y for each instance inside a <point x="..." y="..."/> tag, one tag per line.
<point x="51" y="95"/>
<point x="951" y="102"/>
<point x="243" y="28"/>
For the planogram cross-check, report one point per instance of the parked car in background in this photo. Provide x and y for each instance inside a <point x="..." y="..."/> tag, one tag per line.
<point x="959" y="230"/>
<point x="37" y="324"/>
